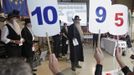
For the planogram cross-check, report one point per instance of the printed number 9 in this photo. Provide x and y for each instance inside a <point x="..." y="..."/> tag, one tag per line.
<point x="101" y="14"/>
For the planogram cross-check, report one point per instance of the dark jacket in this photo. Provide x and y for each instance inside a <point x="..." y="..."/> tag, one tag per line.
<point x="28" y="42"/>
<point x="59" y="73"/>
<point x="64" y="41"/>
<point x="98" y="70"/>
<point x="76" y="52"/>
<point x="125" y="70"/>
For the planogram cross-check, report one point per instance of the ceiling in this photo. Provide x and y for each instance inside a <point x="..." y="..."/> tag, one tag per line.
<point x="129" y="3"/>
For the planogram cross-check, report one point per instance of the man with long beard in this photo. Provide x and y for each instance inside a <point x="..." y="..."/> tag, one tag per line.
<point x="76" y="50"/>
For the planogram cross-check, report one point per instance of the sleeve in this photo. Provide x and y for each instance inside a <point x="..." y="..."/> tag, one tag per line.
<point x="4" y="34"/>
<point x="98" y="70"/>
<point x="71" y="32"/>
<point x="59" y="73"/>
<point x="125" y="70"/>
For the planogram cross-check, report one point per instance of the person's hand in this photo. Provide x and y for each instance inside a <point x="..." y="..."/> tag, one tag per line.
<point x="17" y="41"/>
<point x="98" y="55"/>
<point x="118" y="55"/>
<point x="22" y="40"/>
<point x="53" y="64"/>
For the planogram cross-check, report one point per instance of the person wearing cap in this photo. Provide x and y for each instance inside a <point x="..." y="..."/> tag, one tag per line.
<point x="11" y="35"/>
<point x="76" y="50"/>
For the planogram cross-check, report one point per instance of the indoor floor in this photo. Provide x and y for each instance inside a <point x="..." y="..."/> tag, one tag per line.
<point x="88" y="66"/>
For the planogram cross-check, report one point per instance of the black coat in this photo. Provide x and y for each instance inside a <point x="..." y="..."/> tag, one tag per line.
<point x="128" y="41"/>
<point x="28" y="43"/>
<point x="64" y="40"/>
<point x="76" y="52"/>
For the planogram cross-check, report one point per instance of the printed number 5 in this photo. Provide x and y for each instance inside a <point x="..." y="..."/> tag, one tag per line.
<point x="119" y="18"/>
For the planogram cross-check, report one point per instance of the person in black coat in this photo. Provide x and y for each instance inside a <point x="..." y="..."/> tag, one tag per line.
<point x="65" y="41"/>
<point x="76" y="48"/>
<point x="95" y="40"/>
<point x="28" y="37"/>
<point x="56" y="45"/>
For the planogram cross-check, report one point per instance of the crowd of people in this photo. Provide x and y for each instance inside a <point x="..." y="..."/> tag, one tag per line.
<point x="19" y="43"/>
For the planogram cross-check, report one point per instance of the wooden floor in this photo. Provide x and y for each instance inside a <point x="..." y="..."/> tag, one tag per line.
<point x="88" y="66"/>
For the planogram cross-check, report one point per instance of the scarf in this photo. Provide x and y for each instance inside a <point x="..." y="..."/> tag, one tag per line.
<point x="16" y="27"/>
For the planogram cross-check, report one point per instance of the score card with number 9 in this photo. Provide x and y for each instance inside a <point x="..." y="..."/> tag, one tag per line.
<point x="98" y="15"/>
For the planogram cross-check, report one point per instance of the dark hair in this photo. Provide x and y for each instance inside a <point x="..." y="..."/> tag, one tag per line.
<point x="27" y="20"/>
<point x="14" y="66"/>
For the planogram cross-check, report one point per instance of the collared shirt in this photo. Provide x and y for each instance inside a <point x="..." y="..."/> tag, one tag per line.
<point x="4" y="34"/>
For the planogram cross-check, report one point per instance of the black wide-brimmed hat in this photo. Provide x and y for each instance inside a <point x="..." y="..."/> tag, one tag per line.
<point x="76" y="17"/>
<point x="27" y="20"/>
<point x="14" y="13"/>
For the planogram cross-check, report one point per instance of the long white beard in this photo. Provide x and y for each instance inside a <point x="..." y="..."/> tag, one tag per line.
<point x="79" y="29"/>
<point x="16" y="27"/>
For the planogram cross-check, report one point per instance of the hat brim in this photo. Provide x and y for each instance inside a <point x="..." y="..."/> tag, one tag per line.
<point x="12" y="16"/>
<point x="76" y="19"/>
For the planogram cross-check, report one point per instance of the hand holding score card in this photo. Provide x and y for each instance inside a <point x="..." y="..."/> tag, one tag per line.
<point x="98" y="55"/>
<point x="107" y="18"/>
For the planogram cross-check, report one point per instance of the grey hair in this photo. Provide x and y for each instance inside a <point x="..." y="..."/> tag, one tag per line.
<point x="14" y="66"/>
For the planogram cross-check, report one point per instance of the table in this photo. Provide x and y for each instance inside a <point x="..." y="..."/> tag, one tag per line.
<point x="87" y="37"/>
<point x="110" y="45"/>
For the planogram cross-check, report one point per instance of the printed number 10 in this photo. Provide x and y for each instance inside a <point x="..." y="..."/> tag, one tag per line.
<point x="45" y="15"/>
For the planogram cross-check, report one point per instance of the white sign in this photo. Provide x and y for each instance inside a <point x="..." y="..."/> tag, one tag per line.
<point x="67" y="11"/>
<point x="99" y="15"/>
<point x="118" y="20"/>
<point x="44" y="17"/>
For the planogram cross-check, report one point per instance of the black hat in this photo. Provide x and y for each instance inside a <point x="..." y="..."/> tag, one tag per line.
<point x="27" y="20"/>
<point x="14" y="13"/>
<point x="76" y="17"/>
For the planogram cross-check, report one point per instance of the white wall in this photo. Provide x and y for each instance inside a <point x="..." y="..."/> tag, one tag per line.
<point x="132" y="22"/>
